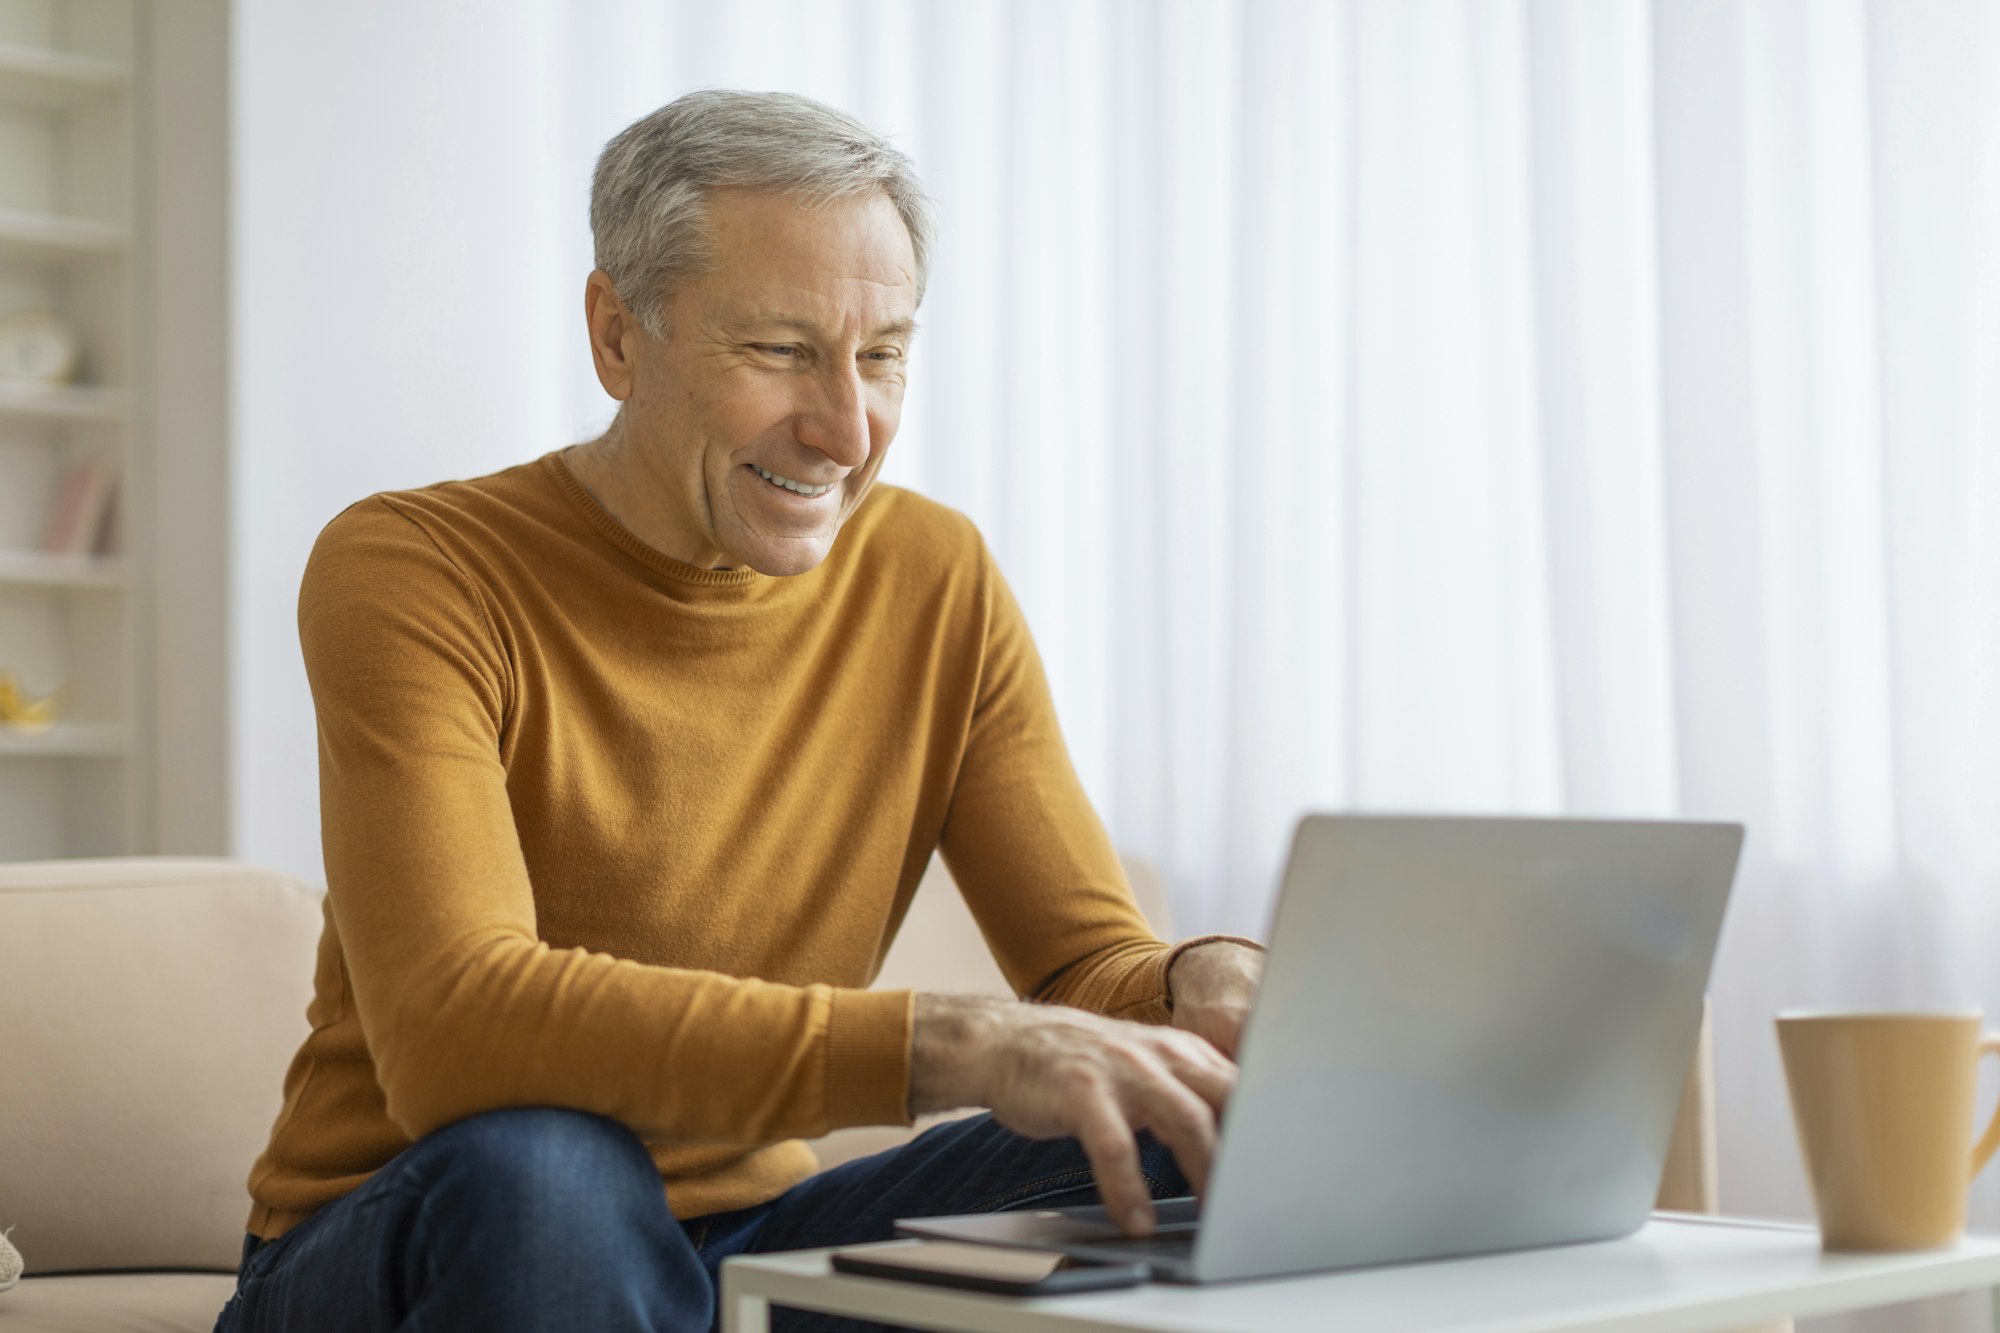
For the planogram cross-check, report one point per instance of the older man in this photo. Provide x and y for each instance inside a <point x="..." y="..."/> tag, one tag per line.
<point x="631" y="758"/>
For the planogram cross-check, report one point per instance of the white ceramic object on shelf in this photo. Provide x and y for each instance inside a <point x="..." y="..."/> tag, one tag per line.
<point x="37" y="345"/>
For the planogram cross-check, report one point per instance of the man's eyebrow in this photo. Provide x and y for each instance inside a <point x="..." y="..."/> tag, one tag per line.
<point x="895" y="328"/>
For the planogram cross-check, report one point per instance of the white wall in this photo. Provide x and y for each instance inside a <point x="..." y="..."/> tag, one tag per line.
<point x="397" y="321"/>
<point x="187" y="360"/>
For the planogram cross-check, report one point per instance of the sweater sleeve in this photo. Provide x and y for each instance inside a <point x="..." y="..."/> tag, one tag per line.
<point x="1028" y="851"/>
<point x="463" y="1007"/>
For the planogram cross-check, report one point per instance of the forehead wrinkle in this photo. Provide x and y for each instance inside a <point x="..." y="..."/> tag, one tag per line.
<point x="775" y="319"/>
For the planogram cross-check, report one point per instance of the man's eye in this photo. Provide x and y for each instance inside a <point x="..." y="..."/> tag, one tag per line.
<point x="779" y="350"/>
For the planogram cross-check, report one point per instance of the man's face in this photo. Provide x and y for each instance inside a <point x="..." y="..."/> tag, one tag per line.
<point x="764" y="414"/>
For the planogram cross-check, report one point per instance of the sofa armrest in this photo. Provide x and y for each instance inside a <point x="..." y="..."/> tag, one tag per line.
<point x="1689" y="1184"/>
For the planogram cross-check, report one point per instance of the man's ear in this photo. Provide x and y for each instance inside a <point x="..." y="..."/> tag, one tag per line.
<point x="614" y="334"/>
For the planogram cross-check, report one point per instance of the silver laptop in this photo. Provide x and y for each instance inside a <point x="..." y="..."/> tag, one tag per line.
<point x="1471" y="1036"/>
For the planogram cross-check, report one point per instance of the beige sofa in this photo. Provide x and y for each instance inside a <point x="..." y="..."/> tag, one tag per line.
<point x="150" y="1007"/>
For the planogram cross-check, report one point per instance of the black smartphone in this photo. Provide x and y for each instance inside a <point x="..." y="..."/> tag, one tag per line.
<point x="989" y="1268"/>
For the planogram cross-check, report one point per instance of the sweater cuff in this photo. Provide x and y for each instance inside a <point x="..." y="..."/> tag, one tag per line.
<point x="1166" y="964"/>
<point x="868" y="1058"/>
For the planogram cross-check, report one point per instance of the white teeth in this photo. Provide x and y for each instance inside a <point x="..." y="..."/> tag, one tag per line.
<point x="790" y="485"/>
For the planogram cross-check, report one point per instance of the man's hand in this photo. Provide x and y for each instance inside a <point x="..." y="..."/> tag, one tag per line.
<point x="1047" y="1072"/>
<point x="1212" y="986"/>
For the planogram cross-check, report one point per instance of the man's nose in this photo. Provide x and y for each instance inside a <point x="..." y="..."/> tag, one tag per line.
<point x="837" y="424"/>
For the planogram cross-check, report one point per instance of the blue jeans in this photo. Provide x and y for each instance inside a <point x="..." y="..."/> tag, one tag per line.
<point x="542" y="1217"/>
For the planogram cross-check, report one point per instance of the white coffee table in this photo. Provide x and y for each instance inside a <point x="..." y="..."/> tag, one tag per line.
<point x="1678" y="1272"/>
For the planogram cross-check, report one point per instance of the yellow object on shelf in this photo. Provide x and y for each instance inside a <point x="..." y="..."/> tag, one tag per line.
<point x="22" y="713"/>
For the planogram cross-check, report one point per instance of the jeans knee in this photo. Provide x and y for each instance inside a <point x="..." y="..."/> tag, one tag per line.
<point x="543" y="1160"/>
<point x="534" y="1215"/>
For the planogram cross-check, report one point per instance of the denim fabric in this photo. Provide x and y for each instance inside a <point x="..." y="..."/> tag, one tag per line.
<point x="547" y="1218"/>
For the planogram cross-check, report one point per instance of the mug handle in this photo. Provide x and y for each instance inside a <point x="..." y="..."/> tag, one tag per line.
<point x="1983" y="1150"/>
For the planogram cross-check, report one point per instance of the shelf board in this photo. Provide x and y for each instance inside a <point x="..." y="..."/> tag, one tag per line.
<point x="62" y="402"/>
<point x="40" y="77"/>
<point x="47" y="236"/>
<point x="65" y="738"/>
<point x="42" y="569"/>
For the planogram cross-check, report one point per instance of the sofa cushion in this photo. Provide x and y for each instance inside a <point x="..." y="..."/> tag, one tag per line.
<point x="117" y="1303"/>
<point x="151" y="1006"/>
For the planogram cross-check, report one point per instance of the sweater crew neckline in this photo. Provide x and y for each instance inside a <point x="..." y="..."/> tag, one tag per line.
<point x="744" y="581"/>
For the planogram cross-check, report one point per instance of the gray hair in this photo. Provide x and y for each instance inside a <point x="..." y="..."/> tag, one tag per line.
<point x="649" y="191"/>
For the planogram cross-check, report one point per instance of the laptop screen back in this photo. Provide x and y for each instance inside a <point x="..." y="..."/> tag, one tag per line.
<point x="1471" y="1036"/>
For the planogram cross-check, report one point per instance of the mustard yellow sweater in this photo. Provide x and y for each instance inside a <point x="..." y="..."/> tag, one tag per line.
<point x="609" y="831"/>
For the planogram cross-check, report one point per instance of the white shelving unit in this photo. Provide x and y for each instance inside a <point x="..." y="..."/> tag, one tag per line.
<point x="67" y="739"/>
<point x="33" y="569"/>
<point x="73" y="219"/>
<point x="68" y="402"/>
<point x="40" y="76"/>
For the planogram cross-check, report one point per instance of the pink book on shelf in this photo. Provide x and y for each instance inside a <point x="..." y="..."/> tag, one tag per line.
<point x="79" y="512"/>
<point x="63" y="519"/>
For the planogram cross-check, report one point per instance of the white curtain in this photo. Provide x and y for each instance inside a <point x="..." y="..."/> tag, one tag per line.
<point x="1468" y="405"/>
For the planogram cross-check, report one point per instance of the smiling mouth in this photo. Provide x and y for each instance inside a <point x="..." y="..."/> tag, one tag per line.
<point x="795" y="487"/>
